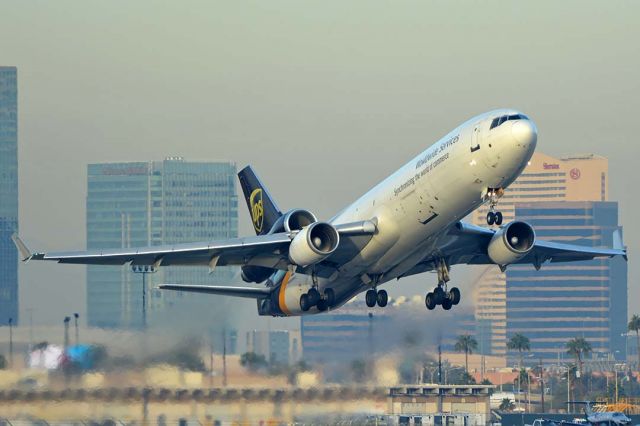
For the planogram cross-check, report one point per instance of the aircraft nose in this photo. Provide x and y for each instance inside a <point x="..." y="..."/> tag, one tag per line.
<point x="525" y="132"/>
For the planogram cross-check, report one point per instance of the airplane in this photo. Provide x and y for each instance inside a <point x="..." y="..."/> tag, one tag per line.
<point x="408" y="224"/>
<point x="601" y="418"/>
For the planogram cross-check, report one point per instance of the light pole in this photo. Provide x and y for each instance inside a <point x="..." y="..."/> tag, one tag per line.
<point x="66" y="333"/>
<point x="11" y="342"/>
<point x="144" y="270"/>
<point x="76" y="316"/>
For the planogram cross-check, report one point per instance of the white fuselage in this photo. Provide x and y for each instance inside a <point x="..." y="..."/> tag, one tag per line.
<point x="415" y="207"/>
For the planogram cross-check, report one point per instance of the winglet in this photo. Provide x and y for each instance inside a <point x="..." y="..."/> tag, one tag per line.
<point x="618" y="244"/>
<point x="25" y="254"/>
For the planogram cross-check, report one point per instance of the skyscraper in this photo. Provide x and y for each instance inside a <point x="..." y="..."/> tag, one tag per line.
<point x="577" y="178"/>
<point x="153" y="203"/>
<point x="8" y="194"/>
<point x="577" y="299"/>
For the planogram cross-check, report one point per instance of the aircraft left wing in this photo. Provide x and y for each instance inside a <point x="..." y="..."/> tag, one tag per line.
<point x="269" y="251"/>
<point x="467" y="244"/>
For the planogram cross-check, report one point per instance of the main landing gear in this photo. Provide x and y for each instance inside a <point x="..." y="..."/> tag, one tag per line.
<point x="494" y="217"/>
<point x="379" y="297"/>
<point x="440" y="294"/>
<point x="313" y="298"/>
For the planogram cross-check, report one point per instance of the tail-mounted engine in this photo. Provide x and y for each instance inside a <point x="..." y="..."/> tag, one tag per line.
<point x="511" y="243"/>
<point x="313" y="244"/>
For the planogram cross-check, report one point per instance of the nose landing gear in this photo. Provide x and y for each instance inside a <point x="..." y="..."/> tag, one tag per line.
<point x="440" y="294"/>
<point x="494" y="217"/>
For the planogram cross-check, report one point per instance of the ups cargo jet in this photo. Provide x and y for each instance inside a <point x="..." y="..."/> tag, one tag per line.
<point x="408" y="224"/>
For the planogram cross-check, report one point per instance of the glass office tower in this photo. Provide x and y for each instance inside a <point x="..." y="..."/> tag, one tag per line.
<point x="567" y="300"/>
<point x="8" y="194"/>
<point x="153" y="203"/>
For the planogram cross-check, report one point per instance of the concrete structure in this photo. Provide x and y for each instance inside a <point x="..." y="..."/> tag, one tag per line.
<point x="277" y="346"/>
<point x="153" y="203"/>
<point x="463" y="405"/>
<point x="577" y="178"/>
<point x="8" y="194"/>
<point x="577" y="299"/>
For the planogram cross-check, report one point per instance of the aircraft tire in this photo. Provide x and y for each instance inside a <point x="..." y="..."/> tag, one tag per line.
<point x="498" y="218"/>
<point x="491" y="218"/>
<point x="439" y="295"/>
<point x="314" y="296"/>
<point x="382" y="298"/>
<point x="330" y="296"/>
<point x="430" y="301"/>
<point x="304" y="302"/>
<point x="322" y="305"/>
<point x="447" y="304"/>
<point x="454" y="294"/>
<point x="370" y="298"/>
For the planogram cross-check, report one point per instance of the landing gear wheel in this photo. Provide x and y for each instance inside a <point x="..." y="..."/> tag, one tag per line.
<point x="430" y="301"/>
<point x="439" y="295"/>
<point x="454" y="295"/>
<point x="447" y="304"/>
<point x="314" y="296"/>
<point x="382" y="298"/>
<point x="322" y="305"/>
<point x="371" y="297"/>
<point x="305" y="305"/>
<point x="498" y="217"/>
<point x="491" y="218"/>
<point x="330" y="296"/>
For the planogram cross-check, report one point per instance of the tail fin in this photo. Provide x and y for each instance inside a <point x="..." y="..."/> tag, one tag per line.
<point x="263" y="210"/>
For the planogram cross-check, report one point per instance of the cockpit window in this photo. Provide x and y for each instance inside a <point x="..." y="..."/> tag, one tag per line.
<point x="499" y="120"/>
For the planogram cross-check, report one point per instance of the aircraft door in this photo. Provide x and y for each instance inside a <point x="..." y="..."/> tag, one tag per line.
<point x="475" y="138"/>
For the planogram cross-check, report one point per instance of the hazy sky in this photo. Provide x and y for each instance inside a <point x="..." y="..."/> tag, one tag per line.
<point x="323" y="98"/>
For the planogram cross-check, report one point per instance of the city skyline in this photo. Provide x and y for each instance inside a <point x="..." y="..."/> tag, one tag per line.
<point x="259" y="96"/>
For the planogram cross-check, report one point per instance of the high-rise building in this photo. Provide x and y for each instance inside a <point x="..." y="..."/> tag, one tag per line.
<point x="277" y="346"/>
<point x="577" y="178"/>
<point x="152" y="203"/>
<point x="8" y="194"/>
<point x="575" y="299"/>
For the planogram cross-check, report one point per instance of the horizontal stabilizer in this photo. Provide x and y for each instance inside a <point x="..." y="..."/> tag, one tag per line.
<point x="25" y="254"/>
<point x="247" y="292"/>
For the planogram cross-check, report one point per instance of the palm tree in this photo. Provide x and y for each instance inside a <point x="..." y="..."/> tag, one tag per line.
<point x="634" y="325"/>
<point x="519" y="342"/>
<point x="579" y="348"/>
<point x="466" y="344"/>
<point x="506" y="405"/>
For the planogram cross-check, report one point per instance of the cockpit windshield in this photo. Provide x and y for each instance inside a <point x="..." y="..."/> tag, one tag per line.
<point x="499" y="120"/>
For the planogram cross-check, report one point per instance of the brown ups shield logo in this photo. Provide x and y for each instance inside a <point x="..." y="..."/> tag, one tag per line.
<point x="257" y="209"/>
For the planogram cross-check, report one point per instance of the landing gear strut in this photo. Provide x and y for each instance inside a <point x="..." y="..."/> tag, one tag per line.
<point x="440" y="294"/>
<point x="493" y="216"/>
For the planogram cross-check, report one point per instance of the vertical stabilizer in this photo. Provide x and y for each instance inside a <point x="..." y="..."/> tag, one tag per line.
<point x="263" y="210"/>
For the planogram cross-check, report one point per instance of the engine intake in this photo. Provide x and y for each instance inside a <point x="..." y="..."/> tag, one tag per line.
<point x="511" y="243"/>
<point x="313" y="244"/>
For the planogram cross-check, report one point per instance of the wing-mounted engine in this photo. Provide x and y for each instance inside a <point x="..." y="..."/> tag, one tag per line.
<point x="511" y="243"/>
<point x="313" y="243"/>
<point x="255" y="274"/>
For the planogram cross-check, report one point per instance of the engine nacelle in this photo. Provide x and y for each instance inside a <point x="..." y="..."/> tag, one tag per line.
<point x="293" y="220"/>
<point x="255" y="274"/>
<point x="511" y="243"/>
<point x="313" y="243"/>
